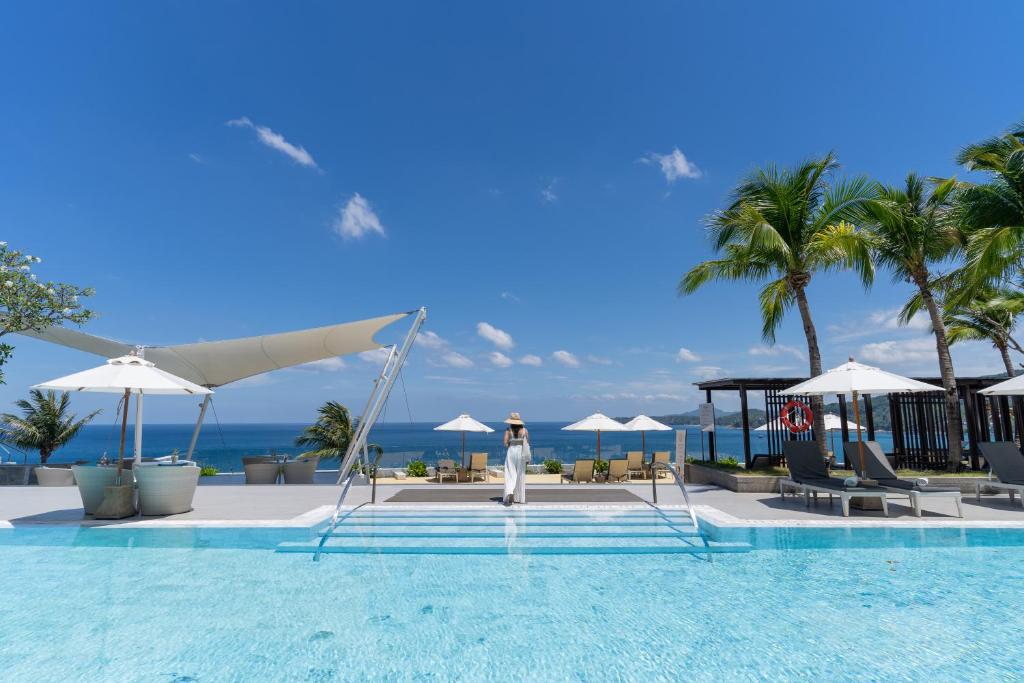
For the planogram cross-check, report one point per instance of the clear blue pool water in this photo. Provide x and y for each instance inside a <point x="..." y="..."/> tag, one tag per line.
<point x="224" y="605"/>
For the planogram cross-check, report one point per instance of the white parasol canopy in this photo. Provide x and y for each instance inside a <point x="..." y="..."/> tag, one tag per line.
<point x="643" y="424"/>
<point x="832" y="423"/>
<point x="463" y="423"/>
<point x="598" y="422"/>
<point x="127" y="375"/>
<point x="854" y="378"/>
<point x="1011" y="387"/>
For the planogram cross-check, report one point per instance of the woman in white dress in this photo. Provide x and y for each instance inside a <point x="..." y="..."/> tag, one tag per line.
<point x="517" y="440"/>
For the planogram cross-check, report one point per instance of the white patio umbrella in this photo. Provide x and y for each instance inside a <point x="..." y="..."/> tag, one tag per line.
<point x="854" y="378"/>
<point x="463" y="423"/>
<point x="643" y="424"/>
<point x="597" y="422"/>
<point x="130" y="375"/>
<point x="1011" y="387"/>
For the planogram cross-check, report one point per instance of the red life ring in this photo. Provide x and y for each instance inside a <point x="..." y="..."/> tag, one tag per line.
<point x="789" y="424"/>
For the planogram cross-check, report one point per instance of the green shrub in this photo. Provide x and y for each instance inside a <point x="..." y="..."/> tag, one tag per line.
<point x="730" y="463"/>
<point x="208" y="471"/>
<point x="552" y="466"/>
<point x="416" y="468"/>
<point x="600" y="466"/>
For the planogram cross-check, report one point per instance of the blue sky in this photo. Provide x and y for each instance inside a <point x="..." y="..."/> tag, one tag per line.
<point x="225" y="169"/>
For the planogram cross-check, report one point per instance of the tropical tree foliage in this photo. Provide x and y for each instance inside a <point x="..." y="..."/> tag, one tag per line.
<point x="28" y="303"/>
<point x="912" y="229"/>
<point x="45" y="424"/>
<point x="782" y="227"/>
<point x="329" y="437"/>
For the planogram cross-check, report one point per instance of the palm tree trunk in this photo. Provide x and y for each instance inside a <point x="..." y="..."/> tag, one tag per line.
<point x="1004" y="351"/>
<point x="814" y="358"/>
<point x="953" y="425"/>
<point x="44" y="455"/>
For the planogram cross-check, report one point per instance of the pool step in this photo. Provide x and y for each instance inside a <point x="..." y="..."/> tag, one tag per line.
<point x="516" y="549"/>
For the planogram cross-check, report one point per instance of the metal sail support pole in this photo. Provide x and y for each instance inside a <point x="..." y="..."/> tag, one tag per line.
<point x="382" y="390"/>
<point x="199" y="424"/>
<point x="357" y="437"/>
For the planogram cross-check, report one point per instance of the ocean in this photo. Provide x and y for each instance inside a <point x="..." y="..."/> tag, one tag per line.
<point x="223" y="446"/>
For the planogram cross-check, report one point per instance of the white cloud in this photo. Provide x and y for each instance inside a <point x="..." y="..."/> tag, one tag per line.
<point x="431" y="340"/>
<point x="357" y="218"/>
<point x="273" y="140"/>
<point x="875" y="321"/>
<point x="453" y="359"/>
<point x="673" y="165"/>
<point x="500" y="338"/>
<point x="547" y="193"/>
<point x="565" y="358"/>
<point x="686" y="355"/>
<point x="598" y="360"/>
<point x="326" y="364"/>
<point x="378" y="356"/>
<point x="196" y="158"/>
<point x="708" y="371"/>
<point x="530" y="359"/>
<point x="903" y="351"/>
<point x="776" y="350"/>
<point x="451" y="380"/>
<point x="509" y="296"/>
<point x="499" y="359"/>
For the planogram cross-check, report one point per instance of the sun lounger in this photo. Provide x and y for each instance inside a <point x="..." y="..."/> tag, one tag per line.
<point x="300" y="471"/>
<point x="617" y="470"/>
<point x="582" y="470"/>
<point x="877" y="467"/>
<point x="657" y="456"/>
<point x="446" y="468"/>
<point x="809" y="475"/>
<point x="635" y="463"/>
<point x="478" y="466"/>
<point x="1007" y="464"/>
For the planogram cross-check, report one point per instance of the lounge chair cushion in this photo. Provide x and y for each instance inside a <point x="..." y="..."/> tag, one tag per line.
<point x="1006" y="461"/>
<point x="879" y="469"/>
<point x="912" y="486"/>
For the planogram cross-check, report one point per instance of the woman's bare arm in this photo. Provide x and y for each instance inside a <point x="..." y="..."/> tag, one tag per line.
<point x="505" y="439"/>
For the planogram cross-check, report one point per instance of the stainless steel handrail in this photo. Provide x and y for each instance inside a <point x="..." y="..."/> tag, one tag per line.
<point x="679" y="482"/>
<point x="335" y="518"/>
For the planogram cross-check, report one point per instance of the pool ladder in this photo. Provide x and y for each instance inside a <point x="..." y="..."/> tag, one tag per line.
<point x="682" y="487"/>
<point x="337" y="518"/>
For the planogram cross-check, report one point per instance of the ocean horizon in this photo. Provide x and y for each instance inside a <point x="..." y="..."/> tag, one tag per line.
<point x="223" y="445"/>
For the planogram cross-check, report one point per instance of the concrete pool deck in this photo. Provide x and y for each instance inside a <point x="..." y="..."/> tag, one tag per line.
<point x="304" y="506"/>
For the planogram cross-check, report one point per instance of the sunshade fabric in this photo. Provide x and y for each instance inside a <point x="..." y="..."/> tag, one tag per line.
<point x="126" y="372"/>
<point x="463" y="423"/>
<point x="1011" y="387"/>
<point x="852" y="376"/>
<point x="642" y="423"/>
<point x="216" y="363"/>
<point x="597" y="422"/>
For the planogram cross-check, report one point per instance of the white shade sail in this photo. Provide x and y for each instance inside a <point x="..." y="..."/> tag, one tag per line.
<point x="852" y="376"/>
<point x="216" y="363"/>
<point x="463" y="423"/>
<point x="832" y="423"/>
<point x="1011" y="387"/>
<point x="597" y="422"/>
<point x="137" y="375"/>
<point x="642" y="423"/>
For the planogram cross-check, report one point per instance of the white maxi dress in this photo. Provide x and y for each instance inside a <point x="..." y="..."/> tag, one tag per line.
<point x="516" y="459"/>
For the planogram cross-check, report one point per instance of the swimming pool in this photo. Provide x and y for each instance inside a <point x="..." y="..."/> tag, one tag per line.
<point x="226" y="605"/>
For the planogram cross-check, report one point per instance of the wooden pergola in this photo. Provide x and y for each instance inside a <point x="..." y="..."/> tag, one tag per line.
<point x="918" y="420"/>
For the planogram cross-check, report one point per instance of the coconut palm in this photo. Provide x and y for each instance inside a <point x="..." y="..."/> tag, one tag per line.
<point x="44" y="425"/>
<point x="993" y="213"/>
<point x="911" y="230"/>
<point x="983" y="324"/>
<point x="783" y="226"/>
<point x="330" y="435"/>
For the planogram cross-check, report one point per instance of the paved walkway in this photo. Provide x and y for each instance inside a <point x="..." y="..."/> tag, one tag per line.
<point x="308" y="505"/>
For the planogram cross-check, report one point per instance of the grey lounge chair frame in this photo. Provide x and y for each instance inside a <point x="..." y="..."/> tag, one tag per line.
<point x="809" y="476"/>
<point x="877" y="467"/>
<point x="446" y="468"/>
<point x="1007" y="463"/>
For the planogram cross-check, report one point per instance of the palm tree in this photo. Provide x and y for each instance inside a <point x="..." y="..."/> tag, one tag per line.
<point x="993" y="213"/>
<point x="990" y="315"/>
<point x="45" y="424"/>
<point x="911" y="229"/>
<point x="783" y="226"/>
<point x="329" y="437"/>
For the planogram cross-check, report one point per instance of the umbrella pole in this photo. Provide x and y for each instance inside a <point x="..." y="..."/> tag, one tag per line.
<point x="643" y="441"/>
<point x="463" y="450"/>
<point x="599" y="445"/>
<point x="860" y="442"/>
<point x="138" y="428"/>
<point x="124" y="427"/>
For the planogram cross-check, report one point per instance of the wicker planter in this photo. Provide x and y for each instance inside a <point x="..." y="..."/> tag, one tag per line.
<point x="55" y="476"/>
<point x="93" y="479"/>
<point x="166" y="489"/>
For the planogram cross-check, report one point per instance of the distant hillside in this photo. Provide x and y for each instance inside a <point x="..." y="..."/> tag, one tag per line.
<point x="758" y="416"/>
